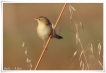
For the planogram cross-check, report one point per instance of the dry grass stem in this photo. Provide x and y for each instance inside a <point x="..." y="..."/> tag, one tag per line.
<point x="30" y="66"/>
<point x="81" y="25"/>
<point x="80" y="55"/>
<point x="99" y="50"/>
<point x="95" y="64"/>
<point x="100" y="63"/>
<point x="83" y="66"/>
<point x="76" y="25"/>
<point x="71" y="16"/>
<point x="80" y="63"/>
<point x="78" y="39"/>
<point x="89" y="47"/>
<point x="84" y="53"/>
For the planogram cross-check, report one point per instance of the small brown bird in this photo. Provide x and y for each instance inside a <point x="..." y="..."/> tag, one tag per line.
<point x="45" y="29"/>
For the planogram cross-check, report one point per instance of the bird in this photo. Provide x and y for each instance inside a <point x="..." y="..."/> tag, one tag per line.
<point x="45" y="28"/>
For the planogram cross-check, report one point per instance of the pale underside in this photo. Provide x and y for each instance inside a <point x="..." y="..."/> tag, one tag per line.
<point x="44" y="31"/>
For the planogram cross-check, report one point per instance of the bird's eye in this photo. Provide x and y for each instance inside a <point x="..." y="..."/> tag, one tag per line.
<point x="39" y="18"/>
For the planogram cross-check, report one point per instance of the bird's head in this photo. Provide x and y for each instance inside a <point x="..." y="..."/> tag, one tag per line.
<point x="42" y="20"/>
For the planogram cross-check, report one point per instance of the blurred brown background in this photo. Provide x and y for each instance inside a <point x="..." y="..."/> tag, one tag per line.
<point x="19" y="26"/>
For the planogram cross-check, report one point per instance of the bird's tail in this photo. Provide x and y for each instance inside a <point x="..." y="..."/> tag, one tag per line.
<point x="58" y="37"/>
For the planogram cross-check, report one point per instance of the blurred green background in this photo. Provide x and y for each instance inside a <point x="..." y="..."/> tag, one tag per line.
<point x="19" y="26"/>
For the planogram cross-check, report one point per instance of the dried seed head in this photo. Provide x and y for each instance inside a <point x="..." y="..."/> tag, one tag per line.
<point x="99" y="48"/>
<point x="91" y="48"/>
<point x="27" y="60"/>
<point x="71" y="9"/>
<point x="23" y="44"/>
<point x="77" y="38"/>
<point x="74" y="53"/>
<point x="26" y="52"/>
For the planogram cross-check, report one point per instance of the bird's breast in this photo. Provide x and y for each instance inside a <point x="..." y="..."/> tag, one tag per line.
<point x="44" y="31"/>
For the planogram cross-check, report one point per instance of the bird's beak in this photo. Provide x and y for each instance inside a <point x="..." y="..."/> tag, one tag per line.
<point x="36" y="19"/>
